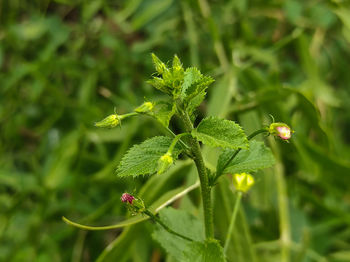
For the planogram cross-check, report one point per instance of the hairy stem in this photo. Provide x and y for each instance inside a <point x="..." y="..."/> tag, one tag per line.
<point x="160" y="222"/>
<point x="203" y="178"/>
<point x="233" y="219"/>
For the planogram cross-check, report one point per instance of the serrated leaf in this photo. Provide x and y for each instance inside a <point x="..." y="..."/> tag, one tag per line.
<point x="257" y="157"/>
<point x="143" y="159"/>
<point x="223" y="133"/>
<point x="164" y="112"/>
<point x="194" y="102"/>
<point x="192" y="75"/>
<point x="206" y="251"/>
<point x="182" y="222"/>
<point x="194" y="84"/>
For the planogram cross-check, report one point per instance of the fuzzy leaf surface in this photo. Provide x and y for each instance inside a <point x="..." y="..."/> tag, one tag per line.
<point x="182" y="222"/>
<point x="143" y="159"/>
<point x="164" y="112"/>
<point x="223" y="133"/>
<point x="257" y="157"/>
<point x="206" y="251"/>
<point x="192" y="76"/>
<point x="194" y="102"/>
<point x="193" y="90"/>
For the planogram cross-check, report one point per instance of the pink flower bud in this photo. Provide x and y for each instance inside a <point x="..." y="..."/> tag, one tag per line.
<point x="127" y="198"/>
<point x="281" y="130"/>
<point x="284" y="132"/>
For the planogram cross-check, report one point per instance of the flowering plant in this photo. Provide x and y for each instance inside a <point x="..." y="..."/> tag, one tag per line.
<point x="186" y="88"/>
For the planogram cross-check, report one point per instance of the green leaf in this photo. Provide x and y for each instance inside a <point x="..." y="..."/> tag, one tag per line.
<point x="143" y="159"/>
<point x="182" y="222"/>
<point x="192" y="75"/>
<point x="206" y="251"/>
<point x="257" y="157"/>
<point x="153" y="189"/>
<point x="159" y="84"/>
<point x="195" y="102"/>
<point x="194" y="84"/>
<point x="164" y="112"/>
<point x="217" y="132"/>
<point x="160" y="67"/>
<point x="177" y="72"/>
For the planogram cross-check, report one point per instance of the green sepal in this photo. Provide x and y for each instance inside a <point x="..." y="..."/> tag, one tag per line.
<point x="109" y="121"/>
<point x="160" y="67"/>
<point x="146" y="107"/>
<point x="160" y="84"/>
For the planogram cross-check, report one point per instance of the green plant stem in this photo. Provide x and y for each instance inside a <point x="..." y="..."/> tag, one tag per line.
<point x="173" y="134"/>
<point x="157" y="220"/>
<point x="283" y="209"/>
<point x="129" y="115"/>
<point x="203" y="178"/>
<point x="257" y="132"/>
<point x="233" y="219"/>
<point x="177" y="139"/>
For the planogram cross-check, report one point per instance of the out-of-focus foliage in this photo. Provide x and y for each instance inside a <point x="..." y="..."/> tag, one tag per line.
<point x="66" y="64"/>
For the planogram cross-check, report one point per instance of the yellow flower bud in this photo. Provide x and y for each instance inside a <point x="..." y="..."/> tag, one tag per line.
<point x="165" y="161"/>
<point x="109" y="122"/>
<point x="146" y="107"/>
<point x="243" y="182"/>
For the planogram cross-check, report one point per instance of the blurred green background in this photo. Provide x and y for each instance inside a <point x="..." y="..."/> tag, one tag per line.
<point x="66" y="64"/>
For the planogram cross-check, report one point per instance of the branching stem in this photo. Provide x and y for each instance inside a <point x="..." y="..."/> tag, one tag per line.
<point x="203" y="178"/>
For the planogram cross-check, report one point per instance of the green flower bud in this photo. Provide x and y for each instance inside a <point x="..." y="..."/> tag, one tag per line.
<point x="165" y="162"/>
<point x="159" y="65"/>
<point x="146" y="107"/>
<point x="243" y="182"/>
<point x="177" y="66"/>
<point x="109" y="122"/>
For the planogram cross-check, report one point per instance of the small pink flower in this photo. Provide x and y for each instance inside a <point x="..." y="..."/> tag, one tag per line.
<point x="127" y="198"/>
<point x="284" y="132"/>
<point x="281" y="130"/>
